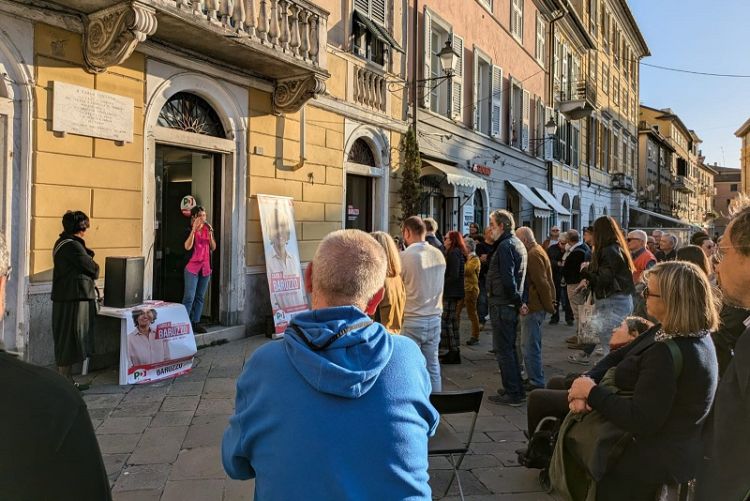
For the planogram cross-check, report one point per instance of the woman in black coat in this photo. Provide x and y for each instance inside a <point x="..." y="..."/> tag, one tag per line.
<point x="453" y="292"/>
<point x="666" y="412"/>
<point x="73" y="293"/>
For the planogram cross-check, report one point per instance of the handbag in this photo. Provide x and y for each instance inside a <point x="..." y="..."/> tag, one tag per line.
<point x="587" y="333"/>
<point x="580" y="296"/>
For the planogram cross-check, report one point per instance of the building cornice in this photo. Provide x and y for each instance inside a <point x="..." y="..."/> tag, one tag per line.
<point x="744" y="130"/>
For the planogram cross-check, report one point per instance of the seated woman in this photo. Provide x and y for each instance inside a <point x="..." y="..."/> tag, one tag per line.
<point x="664" y="413"/>
<point x="553" y="400"/>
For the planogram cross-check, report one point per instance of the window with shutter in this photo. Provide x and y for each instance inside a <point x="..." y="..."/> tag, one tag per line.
<point x="549" y="143"/>
<point x="457" y="88"/>
<point x="540" y="39"/>
<point x="516" y="19"/>
<point x="427" y="57"/>
<point x="374" y="9"/>
<point x="526" y="121"/>
<point x="496" y="106"/>
<point x="593" y="15"/>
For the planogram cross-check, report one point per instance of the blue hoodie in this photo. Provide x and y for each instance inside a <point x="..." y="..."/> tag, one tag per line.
<point x="348" y="421"/>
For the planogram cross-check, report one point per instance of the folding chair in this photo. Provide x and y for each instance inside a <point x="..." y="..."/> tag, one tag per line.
<point x="445" y="442"/>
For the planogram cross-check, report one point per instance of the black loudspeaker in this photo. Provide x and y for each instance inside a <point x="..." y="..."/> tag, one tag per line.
<point x="123" y="281"/>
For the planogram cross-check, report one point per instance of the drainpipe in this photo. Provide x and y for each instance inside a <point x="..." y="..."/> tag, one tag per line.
<point x="415" y="67"/>
<point x="302" y="128"/>
<point x="551" y="83"/>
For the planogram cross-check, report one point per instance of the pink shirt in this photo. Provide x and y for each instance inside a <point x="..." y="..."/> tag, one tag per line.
<point x="200" y="262"/>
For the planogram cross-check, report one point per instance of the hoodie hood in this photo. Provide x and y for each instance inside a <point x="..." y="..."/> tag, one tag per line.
<point x="350" y="364"/>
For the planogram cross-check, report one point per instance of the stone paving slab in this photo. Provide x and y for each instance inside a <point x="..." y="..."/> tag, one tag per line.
<point x="162" y="441"/>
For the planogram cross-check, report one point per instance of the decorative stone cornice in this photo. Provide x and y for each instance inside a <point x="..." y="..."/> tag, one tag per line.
<point x="291" y="93"/>
<point x="111" y="35"/>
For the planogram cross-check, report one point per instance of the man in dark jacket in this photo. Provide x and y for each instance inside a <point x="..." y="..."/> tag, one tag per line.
<point x="431" y="236"/>
<point x="555" y="252"/>
<point x="571" y="272"/>
<point x="505" y="279"/>
<point x="484" y="253"/>
<point x="725" y="475"/>
<point x="48" y="449"/>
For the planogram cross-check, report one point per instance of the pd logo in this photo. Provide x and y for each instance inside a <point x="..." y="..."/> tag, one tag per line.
<point x="139" y="373"/>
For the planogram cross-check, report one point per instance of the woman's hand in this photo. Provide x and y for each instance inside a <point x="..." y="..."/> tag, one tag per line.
<point x="582" y="285"/>
<point x="197" y="223"/>
<point x="581" y="388"/>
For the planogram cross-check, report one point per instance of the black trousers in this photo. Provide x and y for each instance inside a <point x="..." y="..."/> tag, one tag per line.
<point x="551" y="401"/>
<point x="561" y="294"/>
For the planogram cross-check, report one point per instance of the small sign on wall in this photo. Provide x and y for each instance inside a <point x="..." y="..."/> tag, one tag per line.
<point x="468" y="218"/>
<point x="89" y="112"/>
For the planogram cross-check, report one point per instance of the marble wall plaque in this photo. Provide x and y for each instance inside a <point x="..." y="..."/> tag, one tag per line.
<point x="88" y="112"/>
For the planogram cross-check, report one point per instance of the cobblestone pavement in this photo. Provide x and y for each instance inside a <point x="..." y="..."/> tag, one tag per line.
<point x="162" y="441"/>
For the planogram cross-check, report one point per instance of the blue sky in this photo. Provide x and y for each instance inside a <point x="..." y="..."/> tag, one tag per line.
<point x="703" y="36"/>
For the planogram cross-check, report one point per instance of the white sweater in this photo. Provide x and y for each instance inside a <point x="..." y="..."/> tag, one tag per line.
<point x="423" y="273"/>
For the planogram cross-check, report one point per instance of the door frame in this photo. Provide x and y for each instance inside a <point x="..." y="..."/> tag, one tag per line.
<point x="234" y="176"/>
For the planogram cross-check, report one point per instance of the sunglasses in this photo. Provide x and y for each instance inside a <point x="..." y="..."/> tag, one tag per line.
<point x="647" y="294"/>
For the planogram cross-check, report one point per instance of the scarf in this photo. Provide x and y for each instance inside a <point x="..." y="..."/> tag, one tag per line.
<point x="662" y="335"/>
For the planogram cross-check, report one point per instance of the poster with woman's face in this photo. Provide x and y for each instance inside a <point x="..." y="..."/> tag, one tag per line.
<point x="285" y="280"/>
<point x="160" y="342"/>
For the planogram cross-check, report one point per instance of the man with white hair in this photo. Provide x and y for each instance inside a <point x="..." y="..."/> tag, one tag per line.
<point x="340" y="409"/>
<point x="643" y="259"/>
<point x="48" y="449"/>
<point x="538" y="299"/>
<point x="668" y="244"/>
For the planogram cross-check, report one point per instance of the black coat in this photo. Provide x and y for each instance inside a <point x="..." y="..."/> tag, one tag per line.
<point x="571" y="270"/>
<point x="455" y="263"/>
<point x="555" y="254"/>
<point x="611" y="275"/>
<point x="74" y="270"/>
<point x="725" y="476"/>
<point x="666" y="415"/>
<point x="484" y="249"/>
<point x="507" y="271"/>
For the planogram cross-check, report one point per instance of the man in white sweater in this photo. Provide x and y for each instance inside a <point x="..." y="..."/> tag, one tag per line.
<point x="423" y="273"/>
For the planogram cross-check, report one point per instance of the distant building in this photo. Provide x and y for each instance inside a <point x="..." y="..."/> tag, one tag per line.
<point x="744" y="134"/>
<point x="727" y="182"/>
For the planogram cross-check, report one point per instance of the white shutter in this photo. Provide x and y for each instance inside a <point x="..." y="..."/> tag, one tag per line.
<point x="549" y="143"/>
<point x="427" y="56"/>
<point x="565" y="81"/>
<point x="363" y="6"/>
<point x="457" y="90"/>
<point x="526" y="118"/>
<point x="377" y="11"/>
<point x="496" y="102"/>
<point x="477" y="87"/>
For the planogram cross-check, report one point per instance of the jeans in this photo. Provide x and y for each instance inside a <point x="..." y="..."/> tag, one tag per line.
<point x="194" y="295"/>
<point x="504" y="319"/>
<point x="482" y="304"/>
<point x="531" y="337"/>
<point x="470" y="302"/>
<point x="608" y="314"/>
<point x="425" y="331"/>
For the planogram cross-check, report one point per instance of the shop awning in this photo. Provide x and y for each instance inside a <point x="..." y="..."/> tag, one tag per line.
<point x="454" y="175"/>
<point x="646" y="219"/>
<point x="541" y="209"/>
<point x="552" y="202"/>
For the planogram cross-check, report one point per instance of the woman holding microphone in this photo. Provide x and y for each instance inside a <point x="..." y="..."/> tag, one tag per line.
<point x="200" y="243"/>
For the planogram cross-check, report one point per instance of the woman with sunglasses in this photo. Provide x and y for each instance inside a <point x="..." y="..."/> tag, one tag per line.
<point x="73" y="294"/>
<point x="610" y="276"/>
<point x="670" y="394"/>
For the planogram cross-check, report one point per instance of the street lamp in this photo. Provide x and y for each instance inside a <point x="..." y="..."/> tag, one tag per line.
<point x="550" y="129"/>
<point x="448" y="59"/>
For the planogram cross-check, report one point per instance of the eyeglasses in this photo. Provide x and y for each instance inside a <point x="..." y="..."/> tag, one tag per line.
<point x="632" y="238"/>
<point x="647" y="294"/>
<point x="719" y="254"/>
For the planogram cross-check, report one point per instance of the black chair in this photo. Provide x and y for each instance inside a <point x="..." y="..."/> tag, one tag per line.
<point x="445" y="442"/>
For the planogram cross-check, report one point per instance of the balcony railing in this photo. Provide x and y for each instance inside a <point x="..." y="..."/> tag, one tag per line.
<point x="621" y="181"/>
<point x="283" y="41"/>
<point x="577" y="99"/>
<point x="683" y="184"/>
<point x="369" y="89"/>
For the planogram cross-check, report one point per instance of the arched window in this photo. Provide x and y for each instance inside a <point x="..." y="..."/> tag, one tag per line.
<point x="576" y="211"/>
<point x="190" y="113"/>
<point x="361" y="153"/>
<point x="592" y="215"/>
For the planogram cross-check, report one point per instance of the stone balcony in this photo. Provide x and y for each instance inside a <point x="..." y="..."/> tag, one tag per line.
<point x="283" y="41"/>
<point x="369" y="87"/>
<point x="578" y="100"/>
<point x="683" y="185"/>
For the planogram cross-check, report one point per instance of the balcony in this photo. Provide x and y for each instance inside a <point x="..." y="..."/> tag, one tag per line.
<point x="283" y="41"/>
<point x="682" y="184"/>
<point x="578" y="100"/>
<point x="369" y="88"/>
<point x="621" y="181"/>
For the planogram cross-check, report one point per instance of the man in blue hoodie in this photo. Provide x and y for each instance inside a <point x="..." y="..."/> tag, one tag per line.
<point x="340" y="408"/>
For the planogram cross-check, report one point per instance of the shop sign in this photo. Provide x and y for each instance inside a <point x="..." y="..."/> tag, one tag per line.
<point x="352" y="213"/>
<point x="481" y="169"/>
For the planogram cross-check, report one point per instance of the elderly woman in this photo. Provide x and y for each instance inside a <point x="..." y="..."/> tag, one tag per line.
<point x="471" y="290"/>
<point x="390" y="311"/>
<point x="73" y="294"/>
<point x="668" y="406"/>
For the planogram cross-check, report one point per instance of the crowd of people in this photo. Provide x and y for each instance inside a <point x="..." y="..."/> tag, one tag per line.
<point x="663" y="328"/>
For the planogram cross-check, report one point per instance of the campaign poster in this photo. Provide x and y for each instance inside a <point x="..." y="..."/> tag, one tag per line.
<point x="285" y="280"/>
<point x="468" y="218"/>
<point x="159" y="343"/>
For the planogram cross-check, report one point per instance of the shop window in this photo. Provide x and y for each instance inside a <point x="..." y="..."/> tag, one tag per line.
<point x="190" y="113"/>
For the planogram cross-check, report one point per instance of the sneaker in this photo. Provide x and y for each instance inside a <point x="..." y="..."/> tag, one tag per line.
<point x="554" y="321"/>
<point x="580" y="359"/>
<point x="501" y="391"/>
<point x="507" y="400"/>
<point x="199" y="329"/>
<point x="529" y="387"/>
<point x="572" y="339"/>
<point x="570" y="323"/>
<point x="472" y="341"/>
<point x="576" y="346"/>
<point x="491" y="351"/>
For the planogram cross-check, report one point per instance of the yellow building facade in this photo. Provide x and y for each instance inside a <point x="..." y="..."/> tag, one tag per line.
<point x="226" y="105"/>
<point x="743" y="133"/>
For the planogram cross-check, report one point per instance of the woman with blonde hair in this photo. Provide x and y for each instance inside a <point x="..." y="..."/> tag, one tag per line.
<point x="391" y="308"/>
<point x="662" y="393"/>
